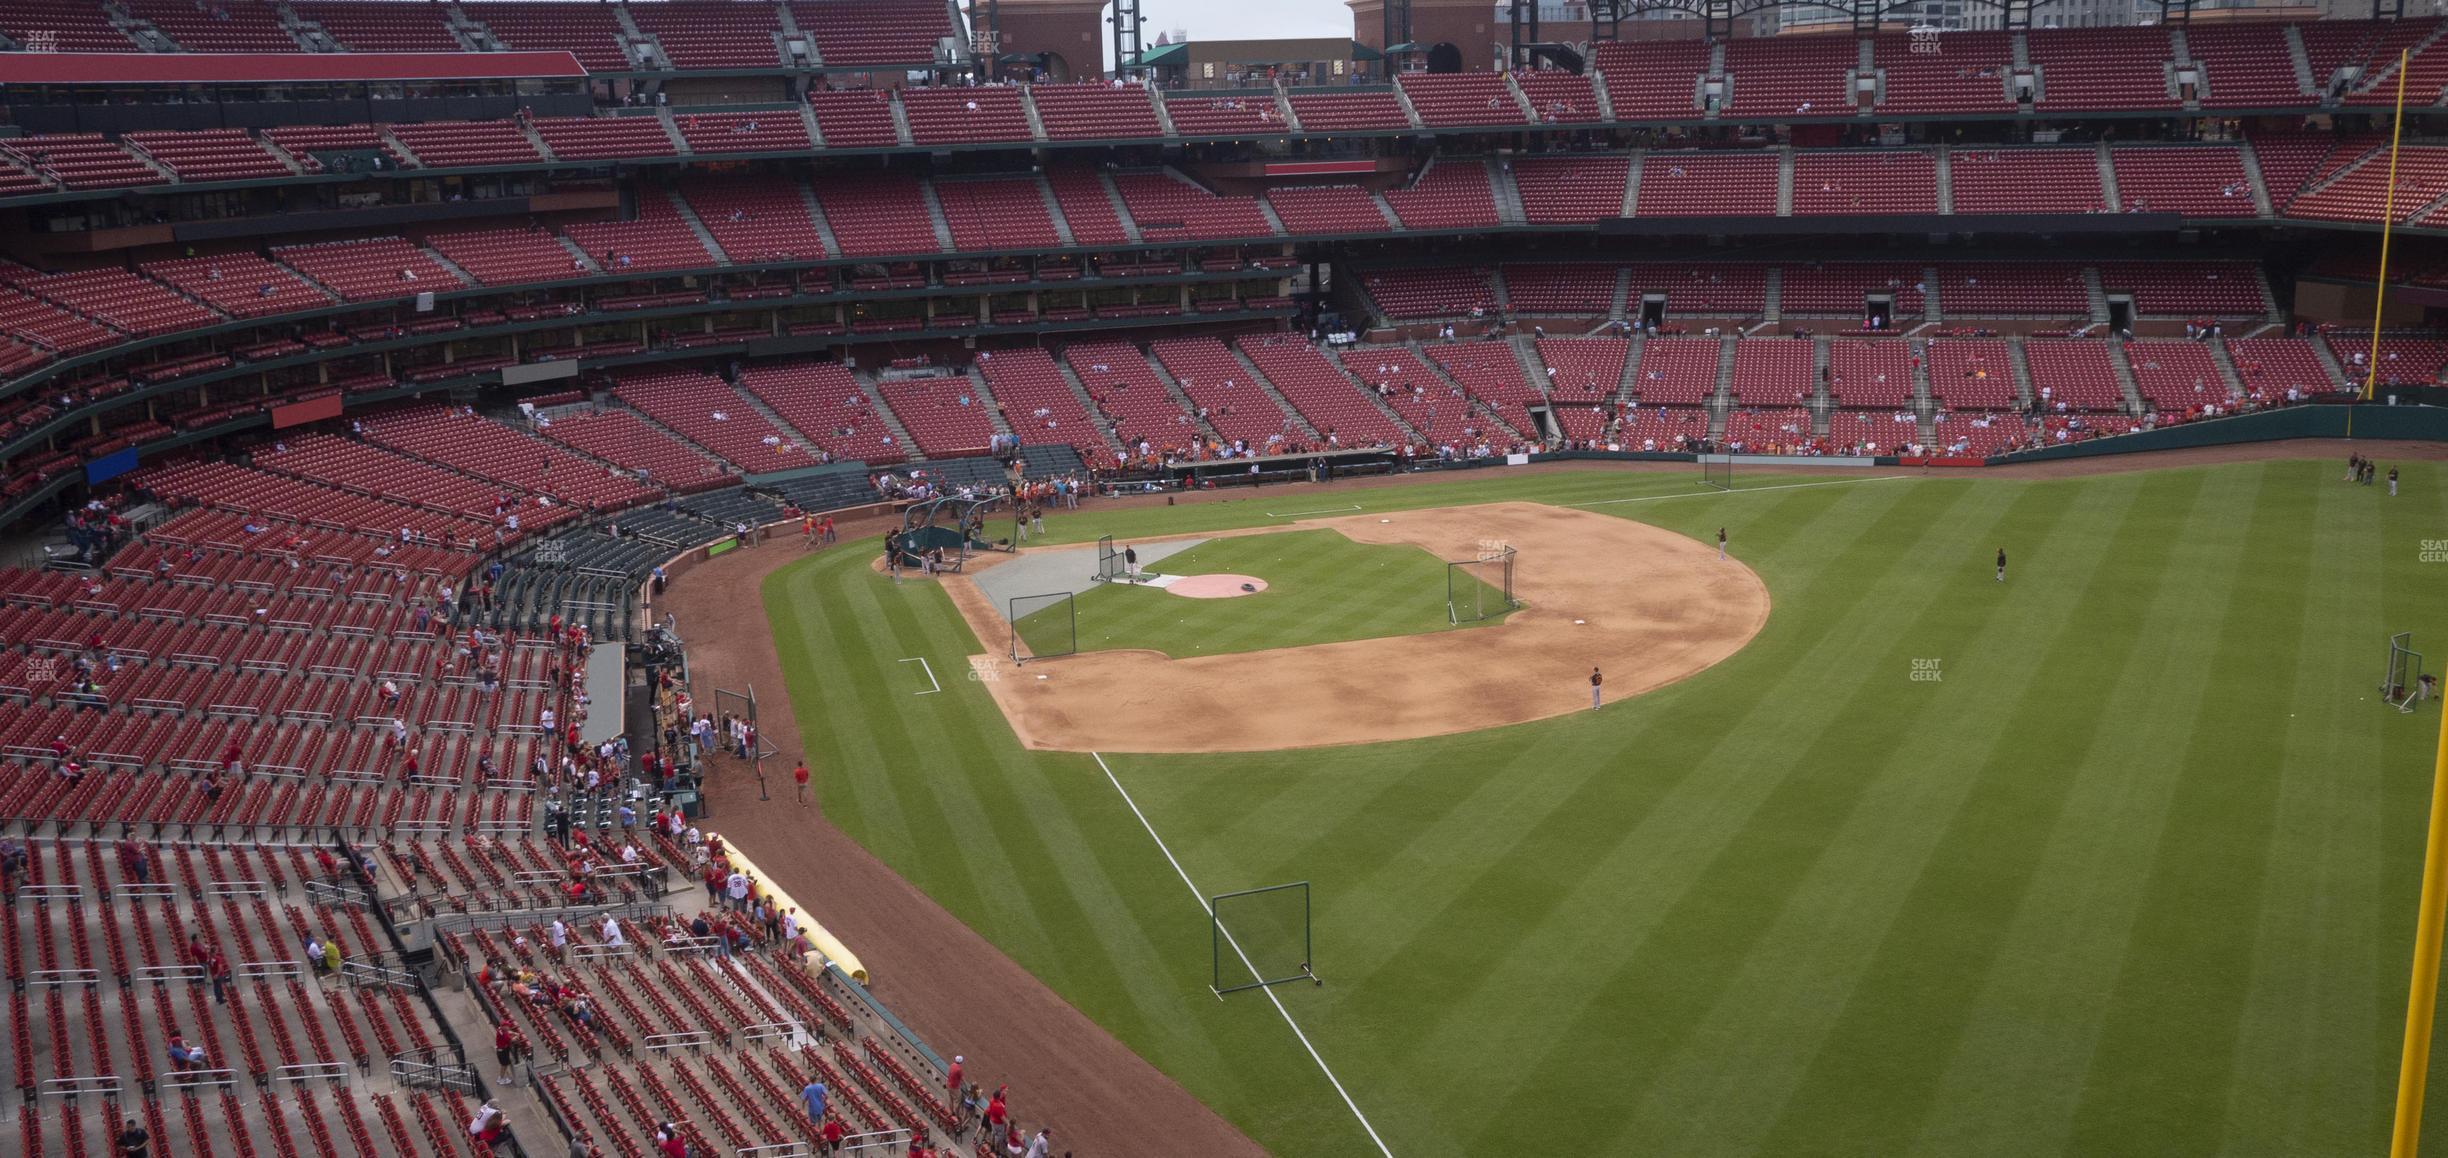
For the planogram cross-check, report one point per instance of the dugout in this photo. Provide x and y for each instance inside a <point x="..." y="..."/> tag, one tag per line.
<point x="1311" y="466"/>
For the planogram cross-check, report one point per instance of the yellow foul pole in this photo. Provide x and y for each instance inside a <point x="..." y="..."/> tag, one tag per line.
<point x="2388" y="225"/>
<point x="2422" y="999"/>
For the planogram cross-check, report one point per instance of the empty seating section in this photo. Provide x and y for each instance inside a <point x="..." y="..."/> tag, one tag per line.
<point x="2425" y="73"/>
<point x="1888" y="181"/>
<point x="1653" y="80"/>
<point x="2361" y="193"/>
<point x="597" y="138"/>
<point x="1582" y="289"/>
<point x="996" y="214"/>
<point x="590" y="32"/>
<point x="80" y="161"/>
<point x="1131" y="397"/>
<point x="1434" y="292"/>
<point x="1676" y="372"/>
<point x="367" y="470"/>
<point x="755" y="220"/>
<point x="1650" y="428"/>
<point x="1038" y="404"/>
<point x="2083" y="70"/>
<point x="1450" y="195"/>
<point x="67" y="25"/>
<point x="854" y="118"/>
<point x="768" y="132"/>
<point x="2196" y="182"/>
<point x="1571" y="190"/>
<point x="2267" y="368"/>
<point x="1086" y="207"/>
<point x="2215" y="289"/>
<point x="48" y="329"/>
<point x="209" y="155"/>
<point x="1583" y="372"/>
<point x="507" y="256"/>
<point x="1425" y="402"/>
<point x="1979" y="435"/>
<point x="2025" y="180"/>
<point x="1325" y="209"/>
<point x="2330" y="45"/>
<point x="1251" y="114"/>
<point x="1345" y="112"/>
<point x="1168" y="208"/>
<point x="2403" y="358"/>
<point x="872" y="31"/>
<point x="1791" y="76"/>
<point x="826" y="405"/>
<point x="707" y="411"/>
<point x="370" y="270"/>
<point x="1773" y="373"/>
<point x="1971" y="374"/>
<point x="367" y="26"/>
<point x="242" y="285"/>
<point x="225" y="26"/>
<point x="2175" y="377"/>
<point x="622" y="439"/>
<point x="1779" y="430"/>
<point x="2287" y="160"/>
<point x="1221" y="387"/>
<point x="440" y="144"/>
<point x="120" y="299"/>
<point x="951" y="116"/>
<point x="944" y="414"/>
<point x="1681" y="184"/>
<point x="18" y="181"/>
<point x="1967" y="74"/>
<point x="876" y="215"/>
<point x="1843" y="289"/>
<point x="1091" y="111"/>
<point x="2246" y="65"/>
<point x="1449" y="99"/>
<point x="1492" y="375"/>
<point x="2000" y="288"/>
<point x="1722" y="290"/>
<point x="2072" y="374"/>
<point x="1559" y="98"/>
<point x="711" y="34"/>
<point x="1333" y="407"/>
<point x="493" y="451"/>
<point x="1869" y="373"/>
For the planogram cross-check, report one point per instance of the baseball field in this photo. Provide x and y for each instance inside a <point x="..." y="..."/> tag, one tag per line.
<point x="2117" y="856"/>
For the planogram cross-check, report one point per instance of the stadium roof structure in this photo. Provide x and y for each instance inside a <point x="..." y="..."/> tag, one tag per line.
<point x="148" y="68"/>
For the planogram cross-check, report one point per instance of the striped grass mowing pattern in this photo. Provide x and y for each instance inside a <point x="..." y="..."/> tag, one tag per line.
<point x="2116" y="857"/>
<point x="1321" y="588"/>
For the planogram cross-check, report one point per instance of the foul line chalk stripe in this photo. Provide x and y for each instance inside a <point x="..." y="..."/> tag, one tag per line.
<point x="1744" y="490"/>
<point x="1298" y="514"/>
<point x="1245" y="961"/>
<point x="930" y="674"/>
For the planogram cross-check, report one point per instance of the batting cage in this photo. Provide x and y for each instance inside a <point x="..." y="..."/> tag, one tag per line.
<point x="2401" y="686"/>
<point x="1717" y="470"/>
<point x="1109" y="560"/>
<point x="1043" y="626"/>
<point x="1260" y="937"/>
<point x="1481" y="588"/>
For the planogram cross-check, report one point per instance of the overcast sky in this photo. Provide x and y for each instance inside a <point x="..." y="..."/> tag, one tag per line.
<point x="1246" y="19"/>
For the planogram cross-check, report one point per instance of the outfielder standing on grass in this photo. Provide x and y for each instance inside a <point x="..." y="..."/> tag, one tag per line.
<point x="1595" y="681"/>
<point x="2001" y="565"/>
<point x="1721" y="544"/>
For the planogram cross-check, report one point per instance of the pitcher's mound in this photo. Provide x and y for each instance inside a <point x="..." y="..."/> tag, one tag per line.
<point x="1216" y="586"/>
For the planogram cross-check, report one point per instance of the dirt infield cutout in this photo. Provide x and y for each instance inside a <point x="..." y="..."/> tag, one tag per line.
<point x="1646" y="605"/>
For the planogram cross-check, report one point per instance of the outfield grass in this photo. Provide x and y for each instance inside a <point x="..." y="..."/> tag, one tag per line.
<point x="1321" y="588"/>
<point x="2136" y="874"/>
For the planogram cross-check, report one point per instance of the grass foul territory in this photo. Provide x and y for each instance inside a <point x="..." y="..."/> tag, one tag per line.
<point x="2117" y="857"/>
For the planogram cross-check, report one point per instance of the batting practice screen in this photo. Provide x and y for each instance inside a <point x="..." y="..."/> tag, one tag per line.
<point x="1109" y="560"/>
<point x="1717" y="470"/>
<point x="1043" y="626"/>
<point x="1481" y="588"/>
<point x="1260" y="937"/>
<point x="2402" y="685"/>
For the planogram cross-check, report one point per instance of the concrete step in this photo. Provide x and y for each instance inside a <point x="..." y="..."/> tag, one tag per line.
<point x="1113" y="195"/>
<point x="1292" y="413"/>
<point x="1053" y="208"/>
<point x="705" y="237"/>
<point x="824" y="229"/>
<point x="1179" y="396"/>
<point x="1079" y="390"/>
<point x="892" y="422"/>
